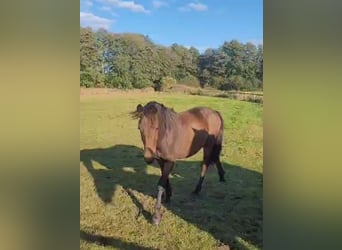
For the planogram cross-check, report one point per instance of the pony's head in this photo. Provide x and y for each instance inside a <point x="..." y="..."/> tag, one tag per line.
<point x="149" y="127"/>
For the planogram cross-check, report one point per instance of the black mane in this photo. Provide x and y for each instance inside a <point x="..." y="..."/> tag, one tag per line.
<point x="166" y="116"/>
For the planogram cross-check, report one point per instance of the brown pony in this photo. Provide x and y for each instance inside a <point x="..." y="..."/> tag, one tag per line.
<point x="168" y="136"/>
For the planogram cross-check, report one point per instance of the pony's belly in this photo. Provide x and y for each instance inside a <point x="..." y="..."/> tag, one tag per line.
<point x="193" y="151"/>
<point x="189" y="149"/>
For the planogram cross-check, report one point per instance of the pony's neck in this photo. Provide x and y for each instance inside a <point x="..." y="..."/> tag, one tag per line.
<point x="169" y="126"/>
<point x="171" y="132"/>
<point x="168" y="120"/>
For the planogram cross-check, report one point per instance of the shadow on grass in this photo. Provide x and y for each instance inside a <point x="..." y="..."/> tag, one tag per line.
<point x="109" y="241"/>
<point x="228" y="211"/>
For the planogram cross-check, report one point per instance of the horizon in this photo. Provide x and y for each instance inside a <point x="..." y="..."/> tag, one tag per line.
<point x="199" y="24"/>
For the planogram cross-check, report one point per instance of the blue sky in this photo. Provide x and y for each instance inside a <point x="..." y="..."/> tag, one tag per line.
<point x="202" y="24"/>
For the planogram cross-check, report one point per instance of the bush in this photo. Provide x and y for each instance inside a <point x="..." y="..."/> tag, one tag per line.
<point x="256" y="84"/>
<point x="99" y="80"/>
<point x="164" y="84"/>
<point x="216" y="82"/>
<point x="234" y="83"/>
<point x="114" y="81"/>
<point x="190" y="80"/>
<point x="197" y="92"/>
<point x="86" y="79"/>
<point x="228" y="86"/>
<point x="141" y="82"/>
<point x="240" y="83"/>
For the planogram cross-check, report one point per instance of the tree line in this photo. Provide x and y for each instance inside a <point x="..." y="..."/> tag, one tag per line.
<point x="128" y="60"/>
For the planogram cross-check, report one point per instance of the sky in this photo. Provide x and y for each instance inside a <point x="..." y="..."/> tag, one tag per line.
<point x="201" y="24"/>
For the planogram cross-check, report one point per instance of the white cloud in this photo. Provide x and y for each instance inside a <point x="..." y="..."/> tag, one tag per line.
<point x="194" y="6"/>
<point x="130" y="5"/>
<point x="88" y="3"/>
<point x="109" y="10"/>
<point x="158" y="4"/>
<point x="88" y="19"/>
<point x="198" y="6"/>
<point x="105" y="8"/>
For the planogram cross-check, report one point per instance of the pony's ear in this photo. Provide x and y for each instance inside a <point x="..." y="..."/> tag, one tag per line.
<point x="140" y="108"/>
<point x="138" y="112"/>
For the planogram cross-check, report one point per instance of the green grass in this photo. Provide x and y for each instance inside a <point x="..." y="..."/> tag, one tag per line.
<point x="118" y="189"/>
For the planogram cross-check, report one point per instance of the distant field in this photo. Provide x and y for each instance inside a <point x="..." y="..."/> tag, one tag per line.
<point x="116" y="183"/>
<point x="250" y="96"/>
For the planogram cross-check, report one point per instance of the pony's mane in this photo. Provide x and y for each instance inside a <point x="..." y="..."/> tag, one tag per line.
<point x="166" y="116"/>
<point x="135" y="114"/>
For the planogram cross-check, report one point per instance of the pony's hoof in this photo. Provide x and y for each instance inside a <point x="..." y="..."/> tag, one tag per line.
<point x="196" y="192"/>
<point x="222" y="180"/>
<point x="156" y="220"/>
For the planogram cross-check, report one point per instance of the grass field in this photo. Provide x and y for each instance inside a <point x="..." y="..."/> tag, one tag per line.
<point x="118" y="189"/>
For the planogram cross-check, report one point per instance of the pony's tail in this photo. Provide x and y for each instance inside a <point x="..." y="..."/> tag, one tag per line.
<point x="215" y="155"/>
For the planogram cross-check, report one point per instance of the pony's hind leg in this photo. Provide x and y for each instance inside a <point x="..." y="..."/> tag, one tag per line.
<point x="204" y="167"/>
<point x="220" y="170"/>
<point x="215" y="158"/>
<point x="207" y="151"/>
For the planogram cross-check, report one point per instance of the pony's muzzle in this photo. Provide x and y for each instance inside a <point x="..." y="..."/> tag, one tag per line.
<point x="148" y="160"/>
<point x="148" y="156"/>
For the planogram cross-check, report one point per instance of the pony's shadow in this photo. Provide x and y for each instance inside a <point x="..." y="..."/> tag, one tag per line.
<point x="110" y="241"/>
<point x="230" y="212"/>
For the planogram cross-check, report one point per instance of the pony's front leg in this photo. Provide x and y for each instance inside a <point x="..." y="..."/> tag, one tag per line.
<point x="162" y="185"/>
<point x="157" y="214"/>
<point x="168" y="191"/>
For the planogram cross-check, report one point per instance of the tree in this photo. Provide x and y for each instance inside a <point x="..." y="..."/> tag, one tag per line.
<point x="88" y="57"/>
<point x="129" y="60"/>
